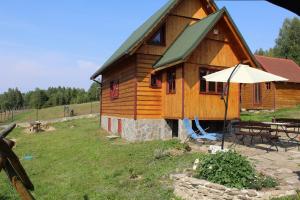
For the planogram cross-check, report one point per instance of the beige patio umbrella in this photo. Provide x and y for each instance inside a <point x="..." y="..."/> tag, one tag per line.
<point x="240" y="74"/>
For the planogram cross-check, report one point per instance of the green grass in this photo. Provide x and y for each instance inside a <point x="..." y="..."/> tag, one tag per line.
<point x="55" y="112"/>
<point x="267" y="116"/>
<point x="297" y="197"/>
<point x="77" y="161"/>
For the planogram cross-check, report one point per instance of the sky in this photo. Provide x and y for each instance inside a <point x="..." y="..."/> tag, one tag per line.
<point x="63" y="42"/>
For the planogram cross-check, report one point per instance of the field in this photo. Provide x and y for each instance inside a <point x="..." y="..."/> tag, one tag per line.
<point x="53" y="112"/>
<point x="267" y="116"/>
<point x="77" y="161"/>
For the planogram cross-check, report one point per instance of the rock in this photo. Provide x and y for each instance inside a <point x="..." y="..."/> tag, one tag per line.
<point x="196" y="182"/>
<point x="216" y="186"/>
<point x="233" y="192"/>
<point x="243" y="197"/>
<point x="252" y="193"/>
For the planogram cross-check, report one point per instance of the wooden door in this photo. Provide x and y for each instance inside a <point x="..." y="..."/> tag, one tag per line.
<point x="257" y="94"/>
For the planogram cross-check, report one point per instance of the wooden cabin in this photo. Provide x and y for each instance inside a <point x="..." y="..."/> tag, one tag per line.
<point x="155" y="79"/>
<point x="277" y="95"/>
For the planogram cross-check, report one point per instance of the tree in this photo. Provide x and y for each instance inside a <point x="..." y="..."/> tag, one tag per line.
<point x="38" y="99"/>
<point x="262" y="52"/>
<point x="288" y="41"/>
<point x="93" y="92"/>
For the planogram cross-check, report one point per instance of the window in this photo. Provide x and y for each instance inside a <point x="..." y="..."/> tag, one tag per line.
<point x="171" y="81"/>
<point x="114" y="89"/>
<point x="159" y="38"/>
<point x="268" y="86"/>
<point x="156" y="80"/>
<point x="209" y="87"/>
<point x="257" y="93"/>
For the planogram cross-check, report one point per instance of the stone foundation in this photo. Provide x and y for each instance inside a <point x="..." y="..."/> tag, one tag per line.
<point x="189" y="188"/>
<point x="139" y="130"/>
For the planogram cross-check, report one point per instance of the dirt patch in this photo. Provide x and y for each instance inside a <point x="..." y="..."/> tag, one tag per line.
<point x="44" y="128"/>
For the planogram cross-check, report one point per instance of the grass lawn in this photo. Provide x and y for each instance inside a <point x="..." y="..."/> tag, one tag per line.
<point x="77" y="162"/>
<point x="267" y="116"/>
<point x="297" y="197"/>
<point x="55" y="112"/>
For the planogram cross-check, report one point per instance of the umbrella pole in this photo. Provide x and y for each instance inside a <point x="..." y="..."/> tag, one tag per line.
<point x="226" y="102"/>
<point x="225" y="117"/>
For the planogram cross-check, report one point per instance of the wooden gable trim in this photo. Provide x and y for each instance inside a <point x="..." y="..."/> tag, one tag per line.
<point x="240" y="40"/>
<point x="186" y="17"/>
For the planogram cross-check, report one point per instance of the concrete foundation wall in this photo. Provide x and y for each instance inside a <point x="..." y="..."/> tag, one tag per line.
<point x="139" y="130"/>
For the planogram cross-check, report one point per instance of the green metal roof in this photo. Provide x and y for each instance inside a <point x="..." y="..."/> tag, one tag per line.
<point x="138" y="35"/>
<point x="189" y="39"/>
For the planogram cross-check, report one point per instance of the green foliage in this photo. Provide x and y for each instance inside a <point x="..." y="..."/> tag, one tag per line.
<point x="262" y="181"/>
<point x="93" y="92"/>
<point x="267" y="116"/>
<point x="262" y="52"/>
<point x="288" y="41"/>
<point x="12" y="99"/>
<point x="37" y="99"/>
<point x="232" y="170"/>
<point x="229" y="169"/>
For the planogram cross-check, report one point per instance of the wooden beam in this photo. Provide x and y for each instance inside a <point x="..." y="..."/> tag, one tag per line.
<point x="22" y="191"/>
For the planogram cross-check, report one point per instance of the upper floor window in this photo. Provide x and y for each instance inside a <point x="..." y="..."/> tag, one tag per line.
<point x="159" y="37"/>
<point x="268" y="86"/>
<point x="156" y="80"/>
<point x="171" y="81"/>
<point x="209" y="87"/>
<point x="114" y="89"/>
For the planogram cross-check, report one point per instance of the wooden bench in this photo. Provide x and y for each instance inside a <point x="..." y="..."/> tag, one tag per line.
<point x="252" y="129"/>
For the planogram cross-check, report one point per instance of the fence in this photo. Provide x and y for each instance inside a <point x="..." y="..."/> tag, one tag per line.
<point x="29" y="115"/>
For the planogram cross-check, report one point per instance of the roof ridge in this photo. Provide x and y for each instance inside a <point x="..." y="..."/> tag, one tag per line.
<point x="285" y="59"/>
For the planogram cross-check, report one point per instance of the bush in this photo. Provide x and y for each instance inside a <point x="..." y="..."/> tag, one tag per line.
<point x="161" y="153"/>
<point x="232" y="170"/>
<point x="262" y="181"/>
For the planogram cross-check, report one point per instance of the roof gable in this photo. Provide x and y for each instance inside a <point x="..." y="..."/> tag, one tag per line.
<point x="192" y="36"/>
<point x="141" y="33"/>
<point x="189" y="40"/>
<point x="281" y="67"/>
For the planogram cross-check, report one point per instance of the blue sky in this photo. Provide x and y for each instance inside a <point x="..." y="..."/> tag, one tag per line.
<point x="62" y="42"/>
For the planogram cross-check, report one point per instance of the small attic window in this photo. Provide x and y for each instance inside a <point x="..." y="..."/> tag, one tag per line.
<point x="159" y="37"/>
<point x="216" y="31"/>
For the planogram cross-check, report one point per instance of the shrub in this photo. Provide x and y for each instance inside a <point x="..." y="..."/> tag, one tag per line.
<point x="262" y="181"/>
<point x="229" y="169"/>
<point x="232" y="170"/>
<point x="161" y="153"/>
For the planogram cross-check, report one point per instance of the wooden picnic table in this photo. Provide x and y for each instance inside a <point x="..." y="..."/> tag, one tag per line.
<point x="291" y="130"/>
<point x="36" y="126"/>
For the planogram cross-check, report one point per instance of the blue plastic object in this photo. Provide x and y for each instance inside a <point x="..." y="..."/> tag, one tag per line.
<point x="202" y="131"/>
<point x="28" y="157"/>
<point x="191" y="133"/>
